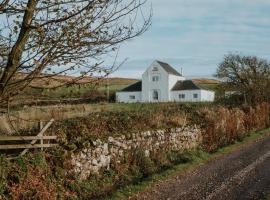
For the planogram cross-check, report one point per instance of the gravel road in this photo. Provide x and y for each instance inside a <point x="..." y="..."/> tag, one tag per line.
<point x="240" y="175"/>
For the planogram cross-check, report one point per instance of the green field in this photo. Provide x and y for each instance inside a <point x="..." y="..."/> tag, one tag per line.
<point x="80" y="91"/>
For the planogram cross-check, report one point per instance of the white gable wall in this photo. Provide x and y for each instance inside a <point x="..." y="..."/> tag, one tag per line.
<point x="172" y="81"/>
<point x="128" y="97"/>
<point x="162" y="85"/>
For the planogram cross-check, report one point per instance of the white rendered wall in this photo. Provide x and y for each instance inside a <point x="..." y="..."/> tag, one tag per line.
<point x="124" y="97"/>
<point x="188" y="96"/>
<point x="148" y="85"/>
<point x="203" y="96"/>
<point x="172" y="81"/>
<point x="208" y="96"/>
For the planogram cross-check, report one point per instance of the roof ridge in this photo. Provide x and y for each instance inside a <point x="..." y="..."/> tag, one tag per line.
<point x="162" y="62"/>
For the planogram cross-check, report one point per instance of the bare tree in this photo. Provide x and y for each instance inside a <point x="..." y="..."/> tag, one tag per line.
<point x="247" y="75"/>
<point x="44" y="38"/>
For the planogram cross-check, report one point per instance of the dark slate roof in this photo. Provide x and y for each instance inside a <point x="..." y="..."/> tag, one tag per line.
<point x="186" y="85"/>
<point x="168" y="68"/>
<point x="136" y="87"/>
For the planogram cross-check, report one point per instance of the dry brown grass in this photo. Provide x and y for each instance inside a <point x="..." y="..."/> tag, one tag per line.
<point x="206" y="81"/>
<point x="61" y="79"/>
<point x="225" y="126"/>
<point x="29" y="117"/>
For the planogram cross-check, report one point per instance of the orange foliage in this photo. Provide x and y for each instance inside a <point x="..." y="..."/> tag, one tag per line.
<point x="34" y="186"/>
<point x="223" y="126"/>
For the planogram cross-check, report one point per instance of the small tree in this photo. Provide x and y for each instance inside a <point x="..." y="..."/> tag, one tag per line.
<point x="247" y="75"/>
<point x="41" y="39"/>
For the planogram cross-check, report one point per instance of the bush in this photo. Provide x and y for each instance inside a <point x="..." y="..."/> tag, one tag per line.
<point x="224" y="126"/>
<point x="103" y="124"/>
<point x="146" y="165"/>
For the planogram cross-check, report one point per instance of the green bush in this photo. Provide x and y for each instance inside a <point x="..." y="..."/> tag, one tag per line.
<point x="145" y="164"/>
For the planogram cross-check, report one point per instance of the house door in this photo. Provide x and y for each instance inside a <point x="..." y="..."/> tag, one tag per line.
<point x="155" y="95"/>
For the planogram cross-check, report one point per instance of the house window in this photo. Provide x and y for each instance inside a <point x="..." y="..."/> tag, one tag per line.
<point x="155" y="95"/>
<point x="155" y="69"/>
<point x="182" y="96"/>
<point x="155" y="78"/>
<point x="132" y="97"/>
<point x="195" y="96"/>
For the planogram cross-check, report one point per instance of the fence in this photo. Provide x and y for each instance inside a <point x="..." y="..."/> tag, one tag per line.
<point x="34" y="139"/>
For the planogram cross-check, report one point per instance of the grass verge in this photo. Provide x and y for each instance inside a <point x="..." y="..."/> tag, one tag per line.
<point x="199" y="157"/>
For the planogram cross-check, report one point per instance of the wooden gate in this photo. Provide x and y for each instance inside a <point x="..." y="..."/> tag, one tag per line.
<point x="30" y="145"/>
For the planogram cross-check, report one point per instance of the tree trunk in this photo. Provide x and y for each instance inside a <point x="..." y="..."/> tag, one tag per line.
<point x="16" y="53"/>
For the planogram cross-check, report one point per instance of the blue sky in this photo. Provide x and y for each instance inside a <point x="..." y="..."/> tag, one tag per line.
<point x="196" y="34"/>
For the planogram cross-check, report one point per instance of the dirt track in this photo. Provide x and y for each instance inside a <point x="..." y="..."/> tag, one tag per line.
<point x="243" y="174"/>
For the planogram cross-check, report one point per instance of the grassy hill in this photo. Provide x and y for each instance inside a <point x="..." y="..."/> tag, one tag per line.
<point x="45" y="82"/>
<point x="44" y="91"/>
<point x="67" y="89"/>
<point x="210" y="84"/>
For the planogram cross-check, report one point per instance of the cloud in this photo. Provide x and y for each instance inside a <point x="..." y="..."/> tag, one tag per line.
<point x="195" y="34"/>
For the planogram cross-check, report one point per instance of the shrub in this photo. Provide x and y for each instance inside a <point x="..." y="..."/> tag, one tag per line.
<point x="103" y="124"/>
<point x="145" y="164"/>
<point x="223" y="126"/>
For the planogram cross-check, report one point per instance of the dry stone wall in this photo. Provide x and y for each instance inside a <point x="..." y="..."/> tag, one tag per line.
<point x="100" y="154"/>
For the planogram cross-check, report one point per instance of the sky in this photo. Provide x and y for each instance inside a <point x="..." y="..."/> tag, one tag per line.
<point x="196" y="34"/>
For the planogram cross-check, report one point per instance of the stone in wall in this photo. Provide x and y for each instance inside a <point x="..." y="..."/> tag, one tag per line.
<point x="101" y="154"/>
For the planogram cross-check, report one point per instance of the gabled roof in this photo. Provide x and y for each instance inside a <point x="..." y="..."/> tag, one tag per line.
<point x="168" y="68"/>
<point x="136" y="87"/>
<point x="186" y="85"/>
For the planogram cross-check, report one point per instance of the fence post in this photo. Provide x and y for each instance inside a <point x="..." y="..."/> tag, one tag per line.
<point x="40" y="128"/>
<point x="40" y="125"/>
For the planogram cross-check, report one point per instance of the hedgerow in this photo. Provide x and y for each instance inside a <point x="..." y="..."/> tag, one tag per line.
<point x="46" y="175"/>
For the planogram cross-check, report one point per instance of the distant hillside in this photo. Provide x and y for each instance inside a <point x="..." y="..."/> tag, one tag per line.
<point x="206" y="81"/>
<point x="58" y="80"/>
<point x="210" y="84"/>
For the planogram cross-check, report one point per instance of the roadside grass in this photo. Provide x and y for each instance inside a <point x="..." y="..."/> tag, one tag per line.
<point x="199" y="157"/>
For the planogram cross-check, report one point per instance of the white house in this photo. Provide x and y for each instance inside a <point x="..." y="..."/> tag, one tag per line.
<point x="162" y="83"/>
